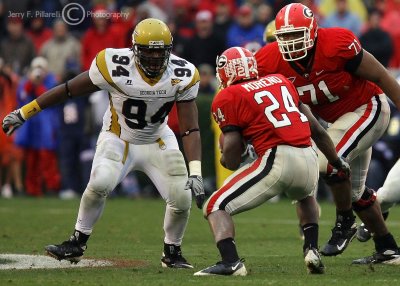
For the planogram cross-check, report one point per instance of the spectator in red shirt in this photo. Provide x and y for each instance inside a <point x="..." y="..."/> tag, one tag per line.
<point x="391" y="24"/>
<point x="39" y="33"/>
<point x="100" y="36"/>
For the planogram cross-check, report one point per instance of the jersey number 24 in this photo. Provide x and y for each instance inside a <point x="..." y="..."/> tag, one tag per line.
<point x="288" y="105"/>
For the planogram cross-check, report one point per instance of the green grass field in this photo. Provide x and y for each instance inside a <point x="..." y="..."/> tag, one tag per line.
<point x="267" y="237"/>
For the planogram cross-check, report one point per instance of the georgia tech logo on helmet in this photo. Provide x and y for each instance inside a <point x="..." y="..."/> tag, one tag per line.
<point x="308" y="13"/>
<point x="221" y="61"/>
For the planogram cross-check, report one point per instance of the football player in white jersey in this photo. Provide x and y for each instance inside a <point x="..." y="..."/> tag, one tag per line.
<point x="143" y="83"/>
<point x="388" y="195"/>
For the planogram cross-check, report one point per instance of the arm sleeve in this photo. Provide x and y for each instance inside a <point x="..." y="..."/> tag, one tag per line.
<point x="352" y="64"/>
<point x="347" y="45"/>
<point x="225" y="112"/>
<point x="189" y="91"/>
<point x="95" y="72"/>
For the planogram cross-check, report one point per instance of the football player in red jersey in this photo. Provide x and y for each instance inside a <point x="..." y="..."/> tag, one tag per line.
<point x="266" y="112"/>
<point x="346" y="86"/>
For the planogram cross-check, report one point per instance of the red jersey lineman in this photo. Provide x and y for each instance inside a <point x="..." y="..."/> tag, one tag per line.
<point x="265" y="111"/>
<point x="344" y="85"/>
<point x="326" y="84"/>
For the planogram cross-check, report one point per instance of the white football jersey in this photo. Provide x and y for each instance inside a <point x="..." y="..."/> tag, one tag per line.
<point x="139" y="105"/>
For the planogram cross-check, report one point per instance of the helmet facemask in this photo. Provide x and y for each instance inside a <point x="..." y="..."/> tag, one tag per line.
<point x="294" y="43"/>
<point x="153" y="60"/>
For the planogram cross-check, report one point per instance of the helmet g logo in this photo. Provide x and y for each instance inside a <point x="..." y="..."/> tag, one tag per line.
<point x="221" y="62"/>
<point x="308" y="13"/>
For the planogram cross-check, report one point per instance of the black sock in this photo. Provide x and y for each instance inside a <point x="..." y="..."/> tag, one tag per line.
<point x="385" y="215"/>
<point x="80" y="237"/>
<point x="227" y="249"/>
<point x="385" y="242"/>
<point x="310" y="231"/>
<point x="345" y="217"/>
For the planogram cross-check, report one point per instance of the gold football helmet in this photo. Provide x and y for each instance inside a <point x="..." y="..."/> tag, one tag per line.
<point x="269" y="31"/>
<point x="152" y="45"/>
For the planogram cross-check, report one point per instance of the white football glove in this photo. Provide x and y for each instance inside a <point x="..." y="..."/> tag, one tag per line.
<point x="249" y="155"/>
<point x="195" y="184"/>
<point x="12" y="122"/>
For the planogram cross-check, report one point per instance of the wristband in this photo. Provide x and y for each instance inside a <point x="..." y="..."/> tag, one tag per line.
<point x="195" y="168"/>
<point x="30" y="109"/>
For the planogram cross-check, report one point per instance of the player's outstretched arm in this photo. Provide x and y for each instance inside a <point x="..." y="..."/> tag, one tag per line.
<point x="341" y="169"/>
<point x="319" y="135"/>
<point x="190" y="133"/>
<point x="371" y="69"/>
<point x="78" y="86"/>
<point x="189" y="127"/>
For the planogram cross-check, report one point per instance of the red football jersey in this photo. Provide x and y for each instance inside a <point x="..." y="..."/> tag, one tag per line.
<point x="265" y="111"/>
<point x="326" y="86"/>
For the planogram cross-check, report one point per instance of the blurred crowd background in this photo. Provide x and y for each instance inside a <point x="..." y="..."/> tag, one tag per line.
<point x="51" y="154"/>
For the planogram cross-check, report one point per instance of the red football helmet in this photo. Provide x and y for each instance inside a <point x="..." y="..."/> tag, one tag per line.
<point x="296" y="30"/>
<point x="236" y="64"/>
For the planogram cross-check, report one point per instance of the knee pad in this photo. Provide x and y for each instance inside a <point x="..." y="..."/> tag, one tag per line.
<point x="107" y="166"/>
<point x="103" y="179"/>
<point x="178" y="198"/>
<point x="367" y="200"/>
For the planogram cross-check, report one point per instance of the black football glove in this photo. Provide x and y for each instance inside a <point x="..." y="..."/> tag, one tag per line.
<point x="195" y="184"/>
<point x="12" y="122"/>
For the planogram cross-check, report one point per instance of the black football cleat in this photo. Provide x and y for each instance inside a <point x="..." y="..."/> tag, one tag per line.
<point x="228" y="269"/>
<point x="172" y="257"/>
<point x="363" y="234"/>
<point x="340" y="239"/>
<point x="68" y="250"/>
<point x="387" y="256"/>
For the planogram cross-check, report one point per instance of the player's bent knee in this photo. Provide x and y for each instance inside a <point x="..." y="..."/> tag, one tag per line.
<point x="103" y="179"/>
<point x="367" y="200"/>
<point x="211" y="206"/>
<point x="179" y="199"/>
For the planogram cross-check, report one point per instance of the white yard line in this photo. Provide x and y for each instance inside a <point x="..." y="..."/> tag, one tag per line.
<point x="23" y="261"/>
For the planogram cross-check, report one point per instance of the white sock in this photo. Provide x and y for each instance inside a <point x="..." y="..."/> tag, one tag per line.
<point x="175" y="225"/>
<point x="90" y="210"/>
